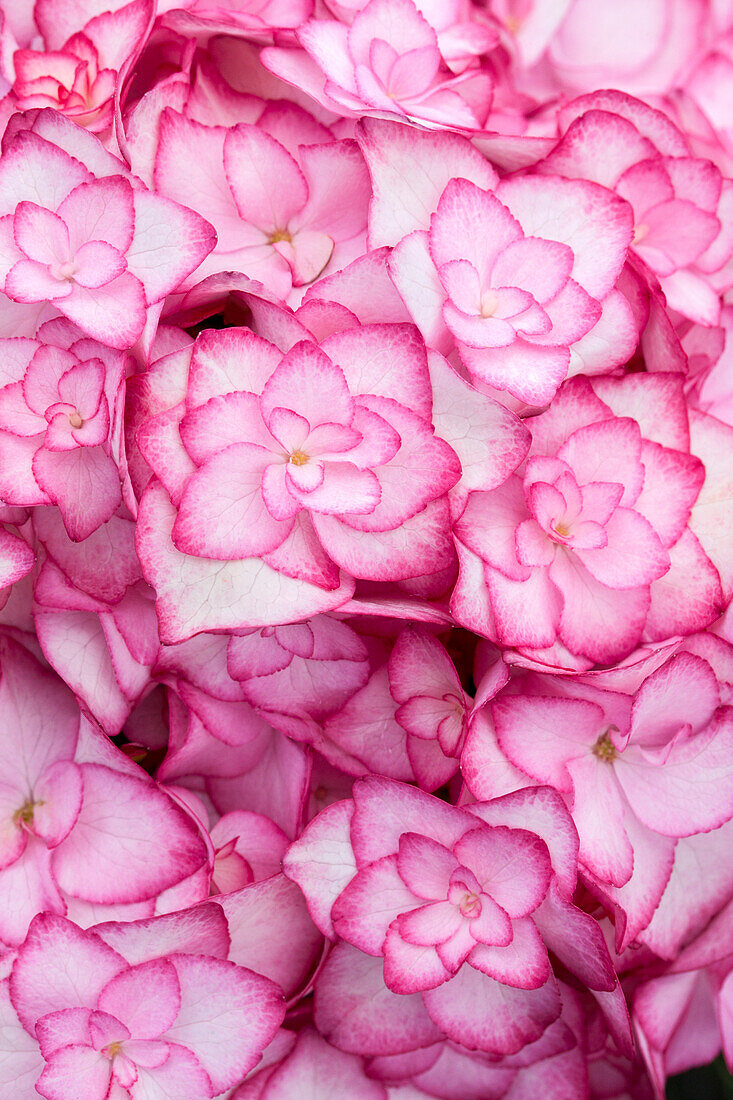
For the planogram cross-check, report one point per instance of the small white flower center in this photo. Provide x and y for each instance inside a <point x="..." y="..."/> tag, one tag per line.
<point x="489" y="304"/>
<point x="66" y="271"/>
<point x="470" y="905"/>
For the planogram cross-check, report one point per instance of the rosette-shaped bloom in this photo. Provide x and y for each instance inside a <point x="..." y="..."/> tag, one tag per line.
<point x="290" y="468"/>
<point x="518" y="275"/>
<point x="408" y="721"/>
<point x="511" y="303"/>
<point x="298" y="671"/>
<point x="572" y="550"/>
<point x="81" y="830"/>
<point x="98" y="250"/>
<point x="423" y="680"/>
<point x="388" y="61"/>
<point x="625" y="764"/>
<point x="60" y="419"/>
<point x="135" y="1010"/>
<point x="71" y="59"/>
<point x="460" y="904"/>
<point x="682" y="206"/>
<point x="286" y="198"/>
<point x="70" y="80"/>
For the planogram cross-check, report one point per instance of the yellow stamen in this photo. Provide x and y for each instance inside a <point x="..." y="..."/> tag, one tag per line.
<point x="24" y="816"/>
<point x="605" y="749"/>
<point x="298" y="458"/>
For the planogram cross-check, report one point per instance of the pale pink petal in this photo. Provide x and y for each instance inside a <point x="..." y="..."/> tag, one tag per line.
<point x="634" y="555"/>
<point x="180" y="1075"/>
<point x="322" y="862"/>
<point x="513" y="866"/>
<point x="309" y="383"/>
<point x="355" y="1009"/>
<point x="268" y="187"/>
<point x="113" y="314"/>
<point x="108" y="856"/>
<point x="98" y="263"/>
<point x="100" y="211"/>
<point x="365" y="909"/>
<point x="222" y="513"/>
<point x="40" y="234"/>
<point x="660" y="794"/>
<point x="317" y="1071"/>
<point x="410" y="969"/>
<point x="430" y="924"/>
<point x="527" y="370"/>
<point x="342" y="490"/>
<point x="29" y="281"/>
<point x="535" y="265"/>
<point x="76" y="1068"/>
<point x="58" y="795"/>
<point x="598" y="808"/>
<point x="60" y="967"/>
<point x="221" y="421"/>
<point x="170" y="242"/>
<point x="146" y="998"/>
<point x="227" y="1016"/>
<point x="594" y="222"/>
<point x="684" y="689"/>
<point x="522" y="963"/>
<point x="425" y="866"/>
<point x="540" y="734"/>
<point x="84" y="483"/>
<point x="410" y="169"/>
<point x="601" y="623"/>
<point x="471" y="224"/>
<point x="478" y="1011"/>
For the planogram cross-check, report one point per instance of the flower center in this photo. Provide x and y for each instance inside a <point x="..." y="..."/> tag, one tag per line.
<point x="605" y="749"/>
<point x="24" y="816"/>
<point x="640" y="232"/>
<point x="280" y="235"/>
<point x="66" y="271"/>
<point x="298" y="458"/>
<point x="470" y="905"/>
<point x="76" y="419"/>
<point x="489" y="305"/>
<point x="113" y="1049"/>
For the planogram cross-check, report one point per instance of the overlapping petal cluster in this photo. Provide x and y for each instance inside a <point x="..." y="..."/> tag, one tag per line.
<point x="366" y="660"/>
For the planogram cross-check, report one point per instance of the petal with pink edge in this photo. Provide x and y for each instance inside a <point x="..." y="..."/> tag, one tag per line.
<point x="222" y="514"/>
<point x="58" y="967"/>
<point x="355" y="1010"/>
<point x="315" y="1070"/>
<point x="523" y="963"/>
<point x="146" y="998"/>
<point x="197" y="594"/>
<point x="144" y="846"/>
<point x="660" y="793"/>
<point x="370" y="902"/>
<point x="512" y="865"/>
<point x="76" y="1068"/>
<point x="268" y="187"/>
<point x="227" y="1017"/>
<point x="479" y="1012"/>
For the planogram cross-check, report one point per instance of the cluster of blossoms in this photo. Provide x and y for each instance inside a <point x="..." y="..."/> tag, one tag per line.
<point x="366" y="436"/>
